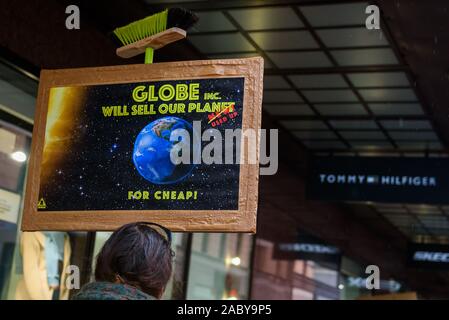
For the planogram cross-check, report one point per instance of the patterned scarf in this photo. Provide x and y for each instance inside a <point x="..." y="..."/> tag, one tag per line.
<point x="110" y="291"/>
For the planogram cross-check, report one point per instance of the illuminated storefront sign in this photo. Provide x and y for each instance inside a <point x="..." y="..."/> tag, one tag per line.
<point x="307" y="247"/>
<point x="360" y="283"/>
<point x="410" y="180"/>
<point x="428" y="255"/>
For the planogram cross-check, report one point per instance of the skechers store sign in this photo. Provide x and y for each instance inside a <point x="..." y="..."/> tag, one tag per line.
<point x="428" y="256"/>
<point x="410" y="180"/>
<point x="361" y="283"/>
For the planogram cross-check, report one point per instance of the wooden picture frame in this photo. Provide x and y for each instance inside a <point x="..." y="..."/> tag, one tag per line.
<point x="241" y="220"/>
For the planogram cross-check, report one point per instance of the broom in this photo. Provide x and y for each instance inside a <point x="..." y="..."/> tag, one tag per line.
<point x="153" y="32"/>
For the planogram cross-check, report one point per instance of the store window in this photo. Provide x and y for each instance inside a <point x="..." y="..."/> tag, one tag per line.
<point x="319" y="278"/>
<point x="17" y="95"/>
<point x="219" y="266"/>
<point x="320" y="272"/>
<point x="292" y="279"/>
<point x="14" y="148"/>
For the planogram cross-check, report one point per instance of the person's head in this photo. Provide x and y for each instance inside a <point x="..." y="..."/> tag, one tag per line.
<point x="137" y="254"/>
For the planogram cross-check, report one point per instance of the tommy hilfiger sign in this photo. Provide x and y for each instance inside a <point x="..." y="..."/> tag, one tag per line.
<point x="383" y="180"/>
<point x="428" y="256"/>
<point x="408" y="180"/>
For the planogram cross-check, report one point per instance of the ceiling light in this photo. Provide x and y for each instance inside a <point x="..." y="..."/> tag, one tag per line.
<point x="235" y="261"/>
<point x="19" y="156"/>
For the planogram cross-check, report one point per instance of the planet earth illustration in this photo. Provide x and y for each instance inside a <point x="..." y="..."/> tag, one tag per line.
<point x="152" y="148"/>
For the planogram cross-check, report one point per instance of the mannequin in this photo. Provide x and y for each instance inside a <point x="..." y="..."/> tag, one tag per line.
<point x="45" y="256"/>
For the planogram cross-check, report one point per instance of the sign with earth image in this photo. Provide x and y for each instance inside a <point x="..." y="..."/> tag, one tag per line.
<point x="117" y="147"/>
<point x="123" y="151"/>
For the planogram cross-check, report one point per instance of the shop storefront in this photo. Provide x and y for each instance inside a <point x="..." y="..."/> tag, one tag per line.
<point x="17" y="98"/>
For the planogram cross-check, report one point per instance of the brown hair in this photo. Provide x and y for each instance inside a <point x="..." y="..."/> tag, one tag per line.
<point x="137" y="254"/>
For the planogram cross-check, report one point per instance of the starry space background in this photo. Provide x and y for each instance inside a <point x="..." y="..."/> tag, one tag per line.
<point x="96" y="170"/>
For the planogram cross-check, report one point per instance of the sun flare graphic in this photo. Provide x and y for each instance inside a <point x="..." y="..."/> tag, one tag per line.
<point x="64" y="104"/>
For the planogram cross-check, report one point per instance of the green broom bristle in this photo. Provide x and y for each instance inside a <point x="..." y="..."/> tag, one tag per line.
<point x="143" y="28"/>
<point x="149" y="26"/>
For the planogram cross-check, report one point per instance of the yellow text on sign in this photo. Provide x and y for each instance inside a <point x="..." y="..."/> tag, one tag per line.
<point x="167" y="92"/>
